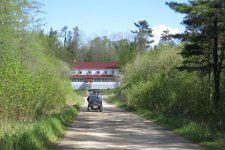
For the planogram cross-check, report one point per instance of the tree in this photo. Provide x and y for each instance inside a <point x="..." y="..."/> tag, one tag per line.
<point x="204" y="42"/>
<point x="23" y="61"/>
<point x="69" y="37"/>
<point x="125" y="50"/>
<point x="64" y="35"/>
<point x="53" y="43"/>
<point x="76" y="37"/>
<point x="16" y="17"/>
<point x="166" y="38"/>
<point x="143" y="35"/>
<point x="101" y="49"/>
<point x="7" y="27"/>
<point x="75" y="42"/>
<point x="53" y="33"/>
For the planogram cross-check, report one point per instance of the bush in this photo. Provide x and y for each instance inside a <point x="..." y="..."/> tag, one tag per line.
<point x="153" y="82"/>
<point x="35" y="87"/>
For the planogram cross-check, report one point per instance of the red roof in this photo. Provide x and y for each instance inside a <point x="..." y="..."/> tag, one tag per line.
<point x="93" y="76"/>
<point x="94" y="65"/>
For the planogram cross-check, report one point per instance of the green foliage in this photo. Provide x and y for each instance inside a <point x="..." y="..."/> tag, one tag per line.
<point x="33" y="82"/>
<point x="153" y="87"/>
<point x="108" y="92"/>
<point x="204" y="48"/>
<point x="166" y="38"/>
<point x="153" y="82"/>
<point x="125" y="50"/>
<point x="41" y="134"/>
<point x="143" y="35"/>
<point x="98" y="49"/>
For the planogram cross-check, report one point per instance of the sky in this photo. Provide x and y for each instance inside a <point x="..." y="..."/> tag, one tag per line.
<point x="113" y="18"/>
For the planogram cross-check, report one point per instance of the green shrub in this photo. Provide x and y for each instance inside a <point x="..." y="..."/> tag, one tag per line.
<point x="153" y="82"/>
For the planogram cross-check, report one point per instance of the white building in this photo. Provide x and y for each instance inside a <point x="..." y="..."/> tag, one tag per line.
<point x="95" y="75"/>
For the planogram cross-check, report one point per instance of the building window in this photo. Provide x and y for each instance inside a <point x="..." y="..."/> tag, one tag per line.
<point x="89" y="72"/>
<point x="106" y="80"/>
<point x="81" y="80"/>
<point x="97" y="80"/>
<point x="98" y="72"/>
<point x="78" y="79"/>
<point x="80" y="72"/>
<point x="105" y="72"/>
<point x="113" y="71"/>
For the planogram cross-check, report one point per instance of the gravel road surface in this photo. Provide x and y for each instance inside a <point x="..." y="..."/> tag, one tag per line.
<point x="117" y="129"/>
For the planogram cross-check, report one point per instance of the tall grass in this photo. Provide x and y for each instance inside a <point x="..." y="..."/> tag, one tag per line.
<point x="38" y="135"/>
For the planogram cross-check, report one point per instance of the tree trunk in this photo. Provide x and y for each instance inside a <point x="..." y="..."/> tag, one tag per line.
<point x="216" y="70"/>
<point x="217" y="90"/>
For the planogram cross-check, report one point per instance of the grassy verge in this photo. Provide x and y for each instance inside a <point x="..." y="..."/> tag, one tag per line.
<point x="81" y="93"/>
<point x="41" y="134"/>
<point x="108" y="92"/>
<point x="179" y="125"/>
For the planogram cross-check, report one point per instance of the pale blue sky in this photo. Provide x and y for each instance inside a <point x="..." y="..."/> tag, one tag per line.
<point x="109" y="16"/>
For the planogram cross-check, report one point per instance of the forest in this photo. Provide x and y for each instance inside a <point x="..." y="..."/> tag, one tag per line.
<point x="182" y="76"/>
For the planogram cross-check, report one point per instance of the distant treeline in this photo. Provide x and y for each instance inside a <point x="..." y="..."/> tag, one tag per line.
<point x="68" y="45"/>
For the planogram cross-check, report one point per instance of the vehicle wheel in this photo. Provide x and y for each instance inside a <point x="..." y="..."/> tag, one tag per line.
<point x="101" y="109"/>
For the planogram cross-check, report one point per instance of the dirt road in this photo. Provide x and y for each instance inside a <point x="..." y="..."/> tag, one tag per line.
<point x="117" y="129"/>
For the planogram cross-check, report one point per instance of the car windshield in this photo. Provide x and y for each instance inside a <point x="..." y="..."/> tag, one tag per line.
<point x="94" y="98"/>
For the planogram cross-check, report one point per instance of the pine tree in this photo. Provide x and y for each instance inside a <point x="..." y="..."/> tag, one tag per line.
<point x="64" y="33"/>
<point x="166" y="38"/>
<point x="204" y="42"/>
<point x="143" y="35"/>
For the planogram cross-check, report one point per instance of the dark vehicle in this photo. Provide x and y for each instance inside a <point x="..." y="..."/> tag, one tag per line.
<point x="95" y="100"/>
